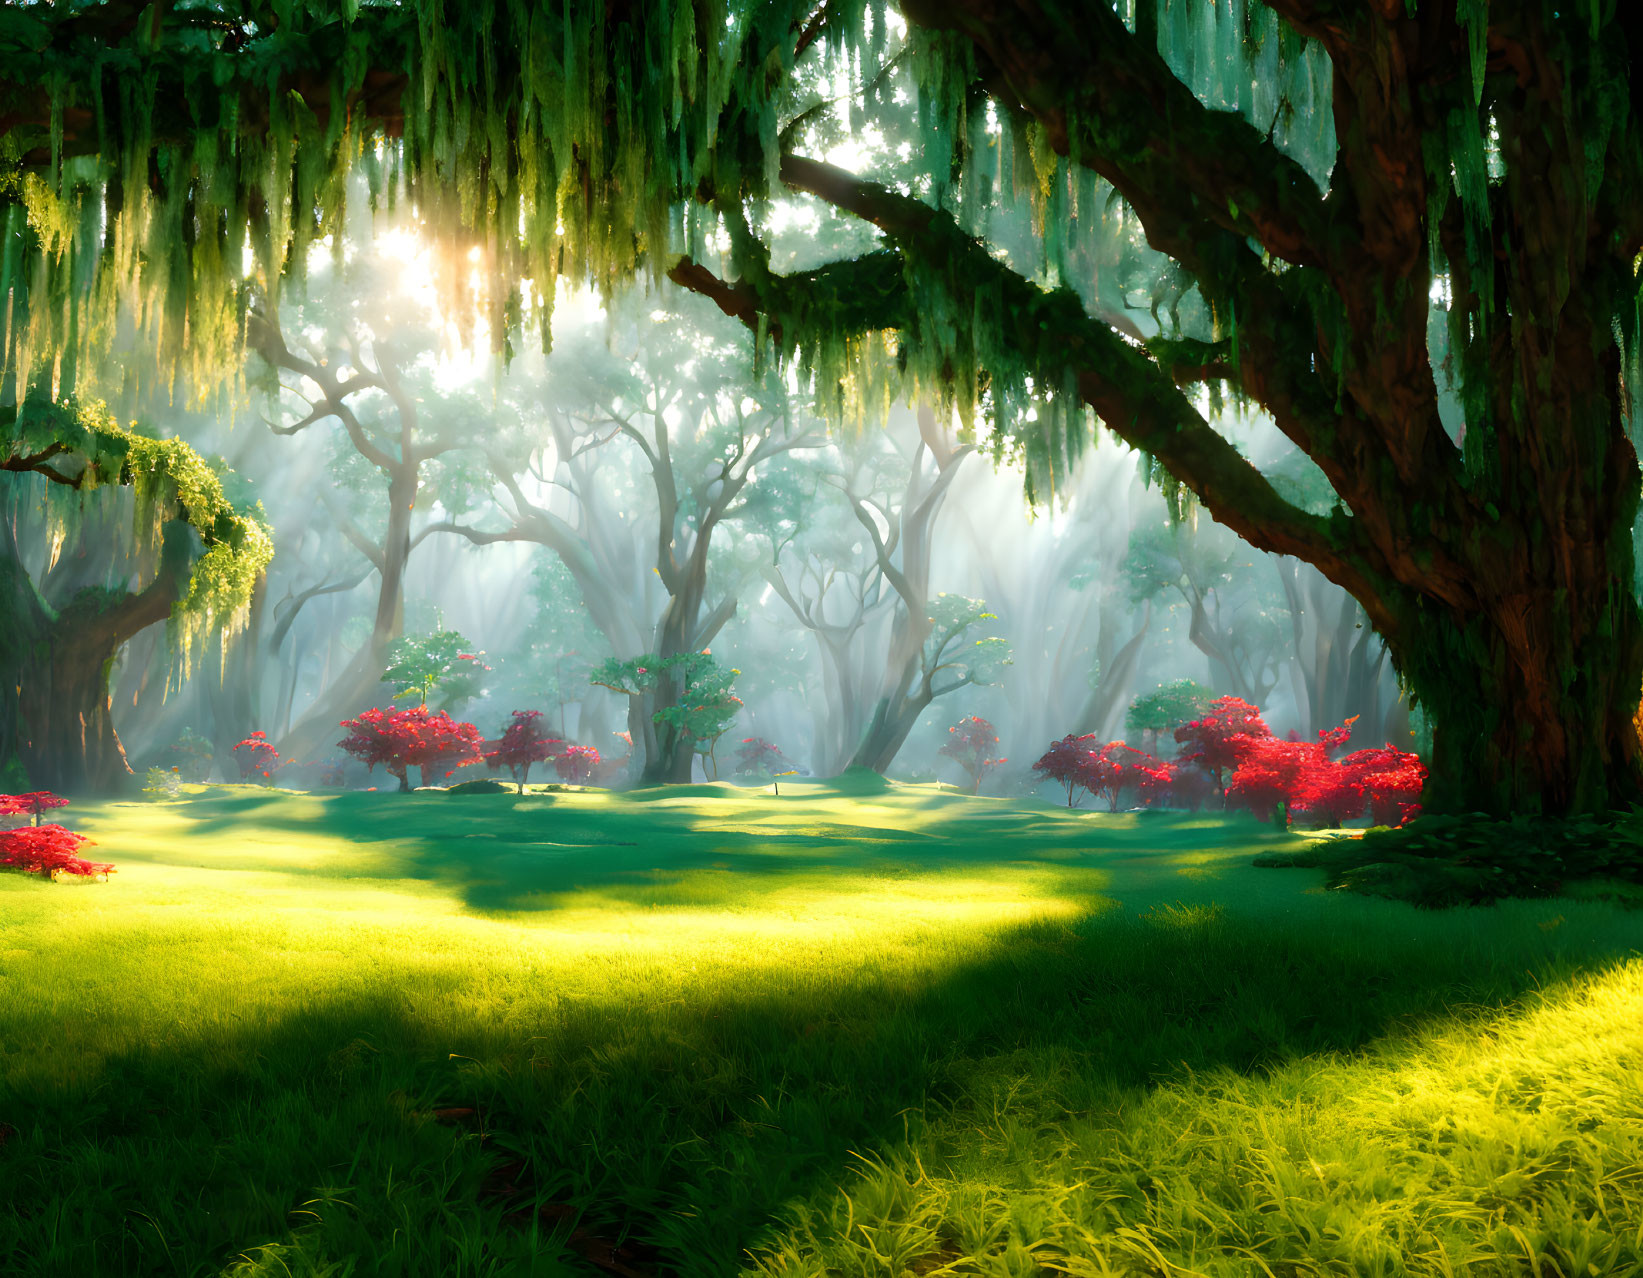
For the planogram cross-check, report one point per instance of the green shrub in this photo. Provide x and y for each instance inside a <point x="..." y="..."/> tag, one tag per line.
<point x="163" y="783"/>
<point x="1438" y="861"/>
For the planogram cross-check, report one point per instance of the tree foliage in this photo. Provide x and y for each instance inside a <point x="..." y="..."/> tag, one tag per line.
<point x="971" y="743"/>
<point x="420" y="665"/>
<point x="402" y="739"/>
<point x="523" y="743"/>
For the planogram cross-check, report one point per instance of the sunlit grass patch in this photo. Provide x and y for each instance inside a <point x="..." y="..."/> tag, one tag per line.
<point x="1492" y="1144"/>
<point x="904" y="1032"/>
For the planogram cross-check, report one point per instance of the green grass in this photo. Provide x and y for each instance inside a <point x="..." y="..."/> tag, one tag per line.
<point x="846" y="1033"/>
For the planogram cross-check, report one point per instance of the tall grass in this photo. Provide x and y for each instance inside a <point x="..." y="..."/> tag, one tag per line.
<point x="832" y="1033"/>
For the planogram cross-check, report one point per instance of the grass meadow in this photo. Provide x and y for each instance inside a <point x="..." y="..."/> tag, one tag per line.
<point x="706" y="1031"/>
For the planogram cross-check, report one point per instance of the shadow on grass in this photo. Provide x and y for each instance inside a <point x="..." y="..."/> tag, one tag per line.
<point x="691" y="1123"/>
<point x="505" y="853"/>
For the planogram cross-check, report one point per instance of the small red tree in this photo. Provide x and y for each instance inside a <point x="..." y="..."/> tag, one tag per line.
<point x="1068" y="761"/>
<point x="1216" y="742"/>
<point x="381" y="736"/>
<point x="257" y="757"/>
<point x="34" y="803"/>
<point x="756" y="757"/>
<point x="403" y="739"/>
<point x="576" y="764"/>
<point x="49" y="850"/>
<point x="1111" y="768"/>
<point x="970" y="743"/>
<point x="522" y="744"/>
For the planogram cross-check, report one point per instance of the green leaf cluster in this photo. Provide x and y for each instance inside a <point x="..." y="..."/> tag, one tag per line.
<point x="419" y="665"/>
<point x="82" y="448"/>
<point x="1168" y="706"/>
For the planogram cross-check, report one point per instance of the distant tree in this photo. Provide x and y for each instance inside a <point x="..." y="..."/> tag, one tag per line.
<point x="1166" y="708"/>
<point x="1068" y="762"/>
<point x="1116" y="767"/>
<point x="1236" y="615"/>
<point x="576" y="764"/>
<point x="852" y="559"/>
<point x="523" y="743"/>
<point x="760" y="759"/>
<point x="192" y="755"/>
<point x="702" y="705"/>
<point x="971" y="743"/>
<point x="1216" y="741"/>
<point x="665" y="402"/>
<point x="955" y="652"/>
<point x="402" y="739"/>
<point x="400" y="441"/>
<point x="256" y="758"/>
<point x="420" y="665"/>
<point x="756" y="757"/>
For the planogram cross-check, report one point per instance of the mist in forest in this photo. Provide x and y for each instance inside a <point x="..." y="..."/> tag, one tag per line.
<point x="644" y="489"/>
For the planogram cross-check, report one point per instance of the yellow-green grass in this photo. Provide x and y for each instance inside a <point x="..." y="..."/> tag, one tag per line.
<point x="844" y="1031"/>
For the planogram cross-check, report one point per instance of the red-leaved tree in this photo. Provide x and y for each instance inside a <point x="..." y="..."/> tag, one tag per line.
<point x="1068" y="761"/>
<point x="1322" y="791"/>
<point x="576" y="764"/>
<point x="257" y="758"/>
<point x="1117" y="767"/>
<point x="1391" y="780"/>
<point x="403" y="739"/>
<point x="1216" y="742"/>
<point x="49" y="850"/>
<point x="33" y="803"/>
<point x="756" y="757"/>
<point x="522" y="744"/>
<point x="970" y="743"/>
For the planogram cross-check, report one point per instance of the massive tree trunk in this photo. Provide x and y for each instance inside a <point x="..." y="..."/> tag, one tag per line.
<point x="67" y="740"/>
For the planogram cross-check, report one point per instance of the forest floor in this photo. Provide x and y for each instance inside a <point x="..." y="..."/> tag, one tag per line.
<point x="704" y="1031"/>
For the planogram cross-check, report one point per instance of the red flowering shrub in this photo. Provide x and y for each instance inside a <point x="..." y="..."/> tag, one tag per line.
<point x="47" y="849"/>
<point x="33" y="803"/>
<point x="1271" y="773"/>
<point x="1216" y="742"/>
<point x="522" y="744"/>
<point x="257" y="758"/>
<point x="576" y="764"/>
<point x="969" y="743"/>
<point x="1391" y="781"/>
<point x="1323" y="791"/>
<point x="403" y="739"/>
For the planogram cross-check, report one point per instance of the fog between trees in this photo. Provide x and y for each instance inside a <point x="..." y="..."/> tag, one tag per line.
<point x="642" y="489"/>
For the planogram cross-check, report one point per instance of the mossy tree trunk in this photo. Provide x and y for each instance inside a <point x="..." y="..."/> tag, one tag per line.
<point x="66" y="738"/>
